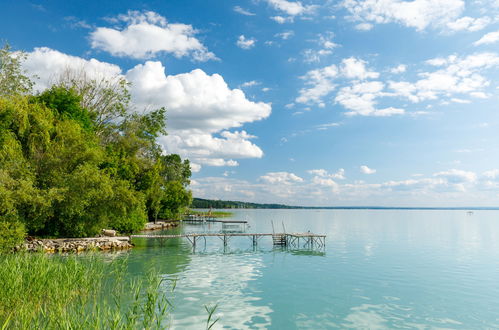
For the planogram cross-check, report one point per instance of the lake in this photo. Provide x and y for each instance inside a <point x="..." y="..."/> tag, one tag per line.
<point x="379" y="269"/>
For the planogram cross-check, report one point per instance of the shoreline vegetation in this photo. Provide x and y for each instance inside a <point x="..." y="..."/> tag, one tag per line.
<point x="78" y="157"/>
<point x="41" y="291"/>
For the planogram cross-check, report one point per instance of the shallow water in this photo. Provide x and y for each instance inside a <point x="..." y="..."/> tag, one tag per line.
<point x="379" y="269"/>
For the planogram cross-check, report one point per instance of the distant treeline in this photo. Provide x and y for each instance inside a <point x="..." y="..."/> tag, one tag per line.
<point x="219" y="204"/>
<point x="201" y="203"/>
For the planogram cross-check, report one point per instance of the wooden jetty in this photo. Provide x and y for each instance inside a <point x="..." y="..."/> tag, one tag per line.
<point x="279" y="239"/>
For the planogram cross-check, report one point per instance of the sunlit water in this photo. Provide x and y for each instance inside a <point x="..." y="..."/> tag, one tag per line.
<point x="379" y="269"/>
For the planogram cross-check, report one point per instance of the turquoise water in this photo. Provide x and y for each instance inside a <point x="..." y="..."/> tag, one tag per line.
<point x="379" y="269"/>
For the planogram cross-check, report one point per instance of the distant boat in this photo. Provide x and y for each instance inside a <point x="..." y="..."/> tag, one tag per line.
<point x="469" y="213"/>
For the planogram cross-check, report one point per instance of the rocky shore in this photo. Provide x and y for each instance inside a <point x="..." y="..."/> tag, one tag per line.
<point x="76" y="244"/>
<point x="107" y="242"/>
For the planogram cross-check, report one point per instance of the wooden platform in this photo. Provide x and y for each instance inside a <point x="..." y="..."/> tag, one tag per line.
<point x="280" y="239"/>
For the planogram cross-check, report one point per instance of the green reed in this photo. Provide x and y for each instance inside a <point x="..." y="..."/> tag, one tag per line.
<point x="39" y="291"/>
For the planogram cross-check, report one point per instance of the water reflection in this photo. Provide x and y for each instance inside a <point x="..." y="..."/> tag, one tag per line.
<point x="222" y="279"/>
<point x="379" y="269"/>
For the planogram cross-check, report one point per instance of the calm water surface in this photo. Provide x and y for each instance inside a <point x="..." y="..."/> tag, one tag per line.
<point x="379" y="269"/>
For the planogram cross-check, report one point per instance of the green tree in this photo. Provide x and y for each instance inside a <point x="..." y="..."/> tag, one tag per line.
<point x="13" y="79"/>
<point x="175" y="200"/>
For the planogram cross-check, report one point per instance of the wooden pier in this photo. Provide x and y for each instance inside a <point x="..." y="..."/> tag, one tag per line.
<point x="280" y="239"/>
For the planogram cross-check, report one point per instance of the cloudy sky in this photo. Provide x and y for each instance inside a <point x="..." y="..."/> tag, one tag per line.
<point x="375" y="102"/>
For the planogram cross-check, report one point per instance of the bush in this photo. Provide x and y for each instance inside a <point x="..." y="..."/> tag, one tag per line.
<point x="12" y="233"/>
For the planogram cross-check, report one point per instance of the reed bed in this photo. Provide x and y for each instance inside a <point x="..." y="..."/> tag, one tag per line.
<point x="39" y="291"/>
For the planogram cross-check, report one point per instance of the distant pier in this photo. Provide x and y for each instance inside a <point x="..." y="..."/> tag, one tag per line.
<point x="295" y="240"/>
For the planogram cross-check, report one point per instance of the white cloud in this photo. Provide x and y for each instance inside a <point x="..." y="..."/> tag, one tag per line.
<point x="491" y="174"/>
<point x="285" y="35"/>
<point x="457" y="176"/>
<point x="282" y="20"/>
<point x="366" y="170"/>
<point x="49" y="64"/>
<point x="250" y="83"/>
<point x="326" y="46"/>
<point x="489" y="38"/>
<point x="449" y="188"/>
<point x="320" y="82"/>
<point x="291" y="8"/>
<point x="455" y="75"/>
<point x="360" y="99"/>
<point x="315" y="56"/>
<point x="340" y="174"/>
<point x="243" y="11"/>
<point x="364" y="26"/>
<point x="418" y="14"/>
<point x="401" y="68"/>
<point x="354" y="68"/>
<point x="195" y="100"/>
<point x="323" y="127"/>
<point x="281" y="178"/>
<point x="201" y="108"/>
<point x="198" y="106"/>
<point x="321" y="181"/>
<point x="469" y="24"/>
<point x="147" y="34"/>
<point x="244" y="43"/>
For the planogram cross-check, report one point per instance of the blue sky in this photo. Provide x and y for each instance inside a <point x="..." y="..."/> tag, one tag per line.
<point x="377" y="102"/>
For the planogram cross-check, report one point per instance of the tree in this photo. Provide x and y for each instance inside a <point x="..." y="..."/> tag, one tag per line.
<point x="13" y="80"/>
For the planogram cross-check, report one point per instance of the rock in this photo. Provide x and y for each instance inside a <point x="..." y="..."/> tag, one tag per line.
<point x="109" y="232"/>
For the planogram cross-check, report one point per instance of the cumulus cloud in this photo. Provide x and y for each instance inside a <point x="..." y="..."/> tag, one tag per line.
<point x="202" y="110"/>
<point x="489" y="38"/>
<point x="291" y="8"/>
<point x="244" y="43"/>
<point x="320" y="82"/>
<point x="353" y="68"/>
<point x="366" y="170"/>
<point x="194" y="100"/>
<point x="455" y="75"/>
<point x="280" y="177"/>
<point x="49" y="65"/>
<point x="360" y="99"/>
<point x="418" y="14"/>
<point x="146" y="34"/>
<point x="401" y="68"/>
<point x="469" y="24"/>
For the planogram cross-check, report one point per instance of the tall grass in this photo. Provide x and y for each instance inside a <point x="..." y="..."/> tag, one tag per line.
<point x="39" y="291"/>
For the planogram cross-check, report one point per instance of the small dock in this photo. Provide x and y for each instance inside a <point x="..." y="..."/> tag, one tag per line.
<point x="296" y="240"/>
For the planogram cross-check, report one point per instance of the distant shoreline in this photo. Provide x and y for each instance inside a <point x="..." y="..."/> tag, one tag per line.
<point x="220" y="204"/>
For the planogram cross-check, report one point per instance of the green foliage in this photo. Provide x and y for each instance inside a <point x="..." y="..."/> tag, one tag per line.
<point x="175" y="200"/>
<point x="12" y="78"/>
<point x="66" y="104"/>
<point x="12" y="233"/>
<point x="74" y="160"/>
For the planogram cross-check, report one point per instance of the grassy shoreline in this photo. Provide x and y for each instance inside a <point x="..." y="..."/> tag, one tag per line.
<point x="68" y="292"/>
